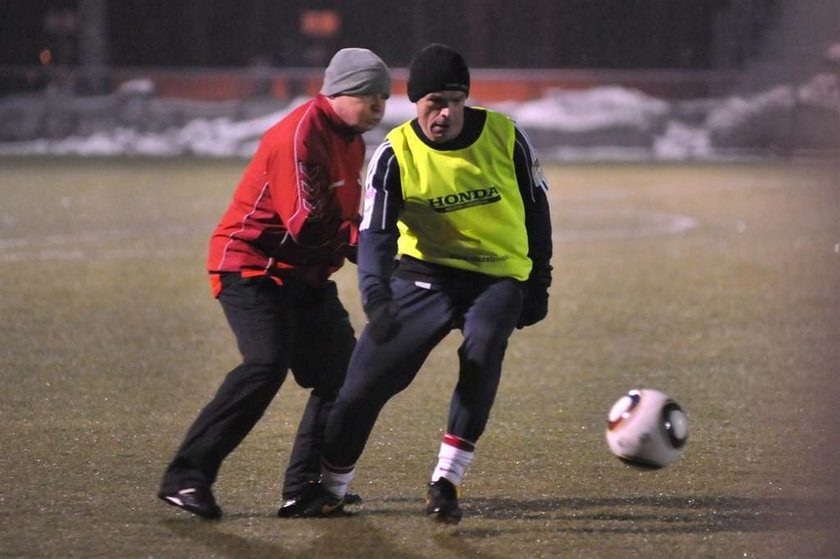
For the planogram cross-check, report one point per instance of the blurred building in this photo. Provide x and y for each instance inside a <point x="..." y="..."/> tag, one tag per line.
<point x="276" y="48"/>
<point x="688" y="34"/>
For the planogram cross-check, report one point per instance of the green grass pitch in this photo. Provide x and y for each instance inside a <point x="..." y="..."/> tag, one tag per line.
<point x="716" y="283"/>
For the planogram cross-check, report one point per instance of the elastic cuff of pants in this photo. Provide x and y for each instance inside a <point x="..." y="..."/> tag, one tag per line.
<point x="327" y="467"/>
<point x="336" y="482"/>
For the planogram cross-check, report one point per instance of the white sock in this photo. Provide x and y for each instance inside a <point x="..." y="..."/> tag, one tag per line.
<point x="454" y="457"/>
<point x="336" y="480"/>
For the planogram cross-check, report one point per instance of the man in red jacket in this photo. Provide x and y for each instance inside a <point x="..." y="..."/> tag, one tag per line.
<point x="292" y="222"/>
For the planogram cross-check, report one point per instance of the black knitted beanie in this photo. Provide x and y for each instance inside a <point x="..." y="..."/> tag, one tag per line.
<point x="437" y="67"/>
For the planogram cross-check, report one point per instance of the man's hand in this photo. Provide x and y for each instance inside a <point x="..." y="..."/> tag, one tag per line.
<point x="383" y="323"/>
<point x="351" y="253"/>
<point x="534" y="306"/>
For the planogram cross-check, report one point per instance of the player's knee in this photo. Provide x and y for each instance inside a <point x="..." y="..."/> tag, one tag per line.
<point x="484" y="350"/>
<point x="265" y="372"/>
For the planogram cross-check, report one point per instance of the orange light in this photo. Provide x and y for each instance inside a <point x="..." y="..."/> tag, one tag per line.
<point x="320" y="23"/>
<point x="45" y="56"/>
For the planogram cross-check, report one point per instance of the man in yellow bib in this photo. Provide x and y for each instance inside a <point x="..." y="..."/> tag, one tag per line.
<point x="458" y="195"/>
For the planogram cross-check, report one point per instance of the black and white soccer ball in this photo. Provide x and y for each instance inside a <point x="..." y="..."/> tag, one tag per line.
<point x="647" y="429"/>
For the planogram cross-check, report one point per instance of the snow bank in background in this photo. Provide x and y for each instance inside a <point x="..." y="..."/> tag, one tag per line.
<point x="786" y="117"/>
<point x="609" y="123"/>
<point x="590" y="109"/>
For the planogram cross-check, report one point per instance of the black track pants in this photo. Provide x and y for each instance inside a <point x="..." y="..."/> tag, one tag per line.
<point x="277" y="328"/>
<point x="486" y="313"/>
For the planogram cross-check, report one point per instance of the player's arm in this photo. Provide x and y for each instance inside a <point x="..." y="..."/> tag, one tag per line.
<point x="301" y="192"/>
<point x="378" y="236"/>
<point x="534" y="190"/>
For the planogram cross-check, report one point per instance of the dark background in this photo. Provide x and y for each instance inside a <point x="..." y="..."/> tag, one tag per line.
<point x="610" y="34"/>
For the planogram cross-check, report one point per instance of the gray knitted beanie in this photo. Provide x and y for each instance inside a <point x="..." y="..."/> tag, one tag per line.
<point x="355" y="71"/>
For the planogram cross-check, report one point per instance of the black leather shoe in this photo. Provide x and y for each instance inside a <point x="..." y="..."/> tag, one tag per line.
<point x="197" y="500"/>
<point x="314" y="501"/>
<point x="442" y="502"/>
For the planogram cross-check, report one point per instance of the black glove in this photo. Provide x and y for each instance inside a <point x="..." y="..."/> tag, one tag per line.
<point x="351" y="253"/>
<point x="382" y="321"/>
<point x="534" y="305"/>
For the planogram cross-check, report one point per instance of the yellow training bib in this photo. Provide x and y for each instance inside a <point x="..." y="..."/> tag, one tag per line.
<point x="463" y="207"/>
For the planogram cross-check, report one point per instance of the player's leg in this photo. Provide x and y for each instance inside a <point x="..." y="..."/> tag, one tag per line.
<point x="321" y="353"/>
<point x="256" y="311"/>
<point x="488" y="322"/>
<point x="379" y="371"/>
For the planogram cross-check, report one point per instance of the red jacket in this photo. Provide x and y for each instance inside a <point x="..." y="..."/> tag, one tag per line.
<point x="297" y="204"/>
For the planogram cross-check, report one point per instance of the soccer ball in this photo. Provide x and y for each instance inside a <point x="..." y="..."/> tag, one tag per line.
<point x="647" y="429"/>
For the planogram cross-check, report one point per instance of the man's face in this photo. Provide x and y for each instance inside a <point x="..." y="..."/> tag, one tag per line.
<point x="441" y="115"/>
<point x="360" y="112"/>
